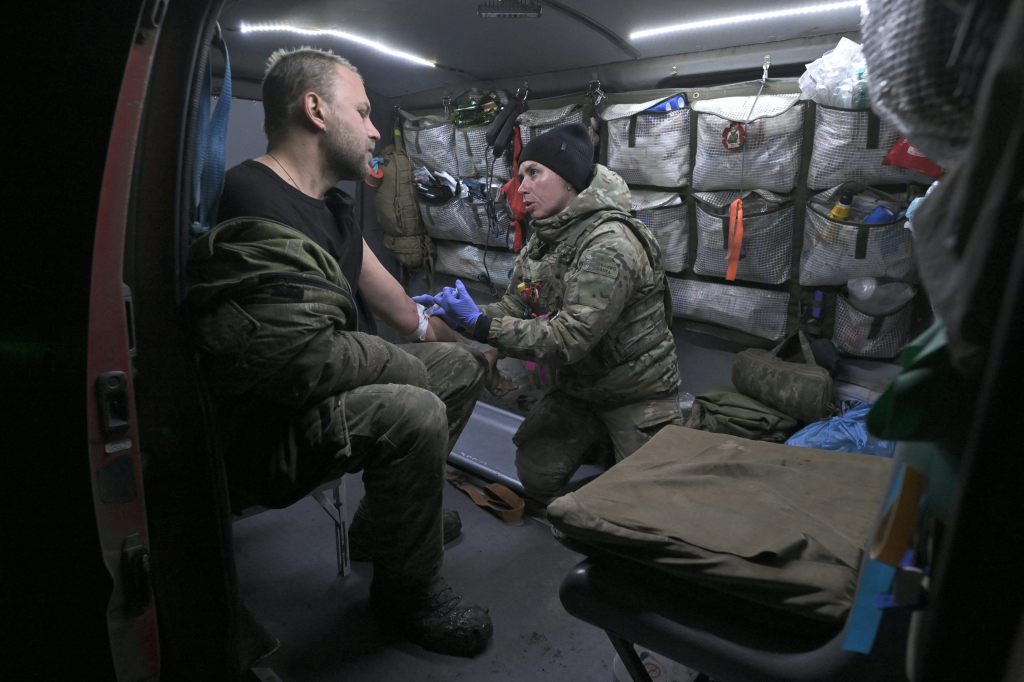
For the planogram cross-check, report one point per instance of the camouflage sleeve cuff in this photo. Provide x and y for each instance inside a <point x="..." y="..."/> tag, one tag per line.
<point x="482" y="328"/>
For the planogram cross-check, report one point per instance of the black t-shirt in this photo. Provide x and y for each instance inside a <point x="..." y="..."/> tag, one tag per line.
<point x="252" y="189"/>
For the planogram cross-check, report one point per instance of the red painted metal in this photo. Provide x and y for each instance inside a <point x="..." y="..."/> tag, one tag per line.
<point x="133" y="637"/>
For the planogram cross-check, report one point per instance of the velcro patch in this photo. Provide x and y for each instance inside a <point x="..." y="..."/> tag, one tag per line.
<point x="598" y="267"/>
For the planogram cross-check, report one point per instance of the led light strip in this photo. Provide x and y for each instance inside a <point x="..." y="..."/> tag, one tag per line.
<point x="263" y="28"/>
<point x="745" y="18"/>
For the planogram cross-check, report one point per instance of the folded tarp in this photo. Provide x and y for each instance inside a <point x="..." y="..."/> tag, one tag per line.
<point x="781" y="525"/>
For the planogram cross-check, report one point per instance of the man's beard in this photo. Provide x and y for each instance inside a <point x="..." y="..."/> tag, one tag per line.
<point x="345" y="154"/>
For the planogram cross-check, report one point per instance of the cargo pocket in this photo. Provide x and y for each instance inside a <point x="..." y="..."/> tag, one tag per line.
<point x="227" y="330"/>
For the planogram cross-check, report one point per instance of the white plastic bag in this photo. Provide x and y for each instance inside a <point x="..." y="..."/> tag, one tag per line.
<point x="838" y="79"/>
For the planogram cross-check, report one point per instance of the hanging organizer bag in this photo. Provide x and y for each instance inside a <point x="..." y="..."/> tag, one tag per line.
<point x="763" y="153"/>
<point x="648" y="143"/>
<point x="467" y="261"/>
<point x="870" y="336"/>
<point x="664" y="214"/>
<point x="475" y="157"/>
<point x="430" y="142"/>
<point x="835" y="251"/>
<point x="540" y="119"/>
<point x="465" y="221"/>
<point x="765" y="243"/>
<point x="755" y="311"/>
<point x="849" y="145"/>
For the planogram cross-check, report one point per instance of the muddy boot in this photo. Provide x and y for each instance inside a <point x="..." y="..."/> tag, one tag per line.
<point x="360" y="533"/>
<point x="432" y="616"/>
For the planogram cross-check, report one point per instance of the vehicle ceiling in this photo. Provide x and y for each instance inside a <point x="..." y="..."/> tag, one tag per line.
<point x="578" y="40"/>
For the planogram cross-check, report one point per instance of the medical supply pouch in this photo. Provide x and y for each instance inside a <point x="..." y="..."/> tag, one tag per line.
<point x="544" y="115"/>
<point x="765" y="240"/>
<point x="475" y="157"/>
<point x="775" y="524"/>
<point x="648" y="143"/>
<point x="430" y="141"/>
<point x="664" y="214"/>
<point x="802" y="390"/>
<point x="870" y="336"/>
<point x="761" y="312"/>
<point x="748" y="142"/>
<point x="469" y="221"/>
<point x="850" y="145"/>
<point x="475" y="263"/>
<point x="835" y="251"/>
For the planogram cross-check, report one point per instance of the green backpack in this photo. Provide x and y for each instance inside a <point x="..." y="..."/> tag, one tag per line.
<point x="405" y="236"/>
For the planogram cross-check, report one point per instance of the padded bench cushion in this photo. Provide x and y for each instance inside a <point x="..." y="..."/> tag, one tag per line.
<point x="780" y="525"/>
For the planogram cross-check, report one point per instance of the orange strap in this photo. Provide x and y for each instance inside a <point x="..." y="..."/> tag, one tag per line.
<point x="494" y="497"/>
<point x="735" y="238"/>
<point x="895" y="532"/>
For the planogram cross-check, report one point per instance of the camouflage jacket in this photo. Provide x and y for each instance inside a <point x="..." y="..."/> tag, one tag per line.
<point x="274" y="319"/>
<point x="588" y="296"/>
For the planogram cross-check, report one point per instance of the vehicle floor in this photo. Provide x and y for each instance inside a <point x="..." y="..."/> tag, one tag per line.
<point x="287" y="575"/>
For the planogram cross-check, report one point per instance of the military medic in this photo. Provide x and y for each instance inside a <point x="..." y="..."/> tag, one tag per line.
<point x="589" y="297"/>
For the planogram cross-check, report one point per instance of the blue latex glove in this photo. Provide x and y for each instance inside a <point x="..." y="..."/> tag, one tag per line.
<point x="425" y="300"/>
<point x="460" y="312"/>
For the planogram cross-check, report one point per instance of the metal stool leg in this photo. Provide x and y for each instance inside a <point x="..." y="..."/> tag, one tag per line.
<point x="336" y="510"/>
<point x="630" y="659"/>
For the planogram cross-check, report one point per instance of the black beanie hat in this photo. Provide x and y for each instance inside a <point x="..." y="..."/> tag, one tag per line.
<point x="567" y="150"/>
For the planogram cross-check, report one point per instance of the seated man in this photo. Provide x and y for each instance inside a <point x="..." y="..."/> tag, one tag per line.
<point x="589" y="296"/>
<point x="282" y="292"/>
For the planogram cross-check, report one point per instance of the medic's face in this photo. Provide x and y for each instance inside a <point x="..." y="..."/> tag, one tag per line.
<point x="544" y="191"/>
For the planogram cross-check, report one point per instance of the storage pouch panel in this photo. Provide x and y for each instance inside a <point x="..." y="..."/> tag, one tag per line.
<point x="472" y="262"/>
<point x="648" y="148"/>
<point x="835" y="251"/>
<point x="475" y="157"/>
<point x="537" y="121"/>
<point x="767" y="245"/>
<point x="754" y="311"/>
<point x="664" y="214"/>
<point x="850" y="145"/>
<point x="761" y="154"/>
<point x="870" y="336"/>
<point x="430" y="142"/>
<point x="463" y="221"/>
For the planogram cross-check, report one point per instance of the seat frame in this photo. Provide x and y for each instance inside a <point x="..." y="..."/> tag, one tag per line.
<point x="335" y="508"/>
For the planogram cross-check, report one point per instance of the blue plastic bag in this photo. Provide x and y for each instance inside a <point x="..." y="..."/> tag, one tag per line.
<point x="847" y="432"/>
<point x="671" y="104"/>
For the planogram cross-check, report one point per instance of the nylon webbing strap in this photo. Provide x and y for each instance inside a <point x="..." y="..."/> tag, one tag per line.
<point x="208" y="172"/>
<point x="735" y="239"/>
<point x="874" y="125"/>
<point x="494" y="497"/>
<point x="861" y="250"/>
<point x="632" y="130"/>
<point x="876" y="327"/>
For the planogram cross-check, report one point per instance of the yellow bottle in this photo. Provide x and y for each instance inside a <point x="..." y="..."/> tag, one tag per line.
<point x="841" y="211"/>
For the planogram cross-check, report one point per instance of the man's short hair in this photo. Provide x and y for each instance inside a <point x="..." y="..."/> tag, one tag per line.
<point x="289" y="74"/>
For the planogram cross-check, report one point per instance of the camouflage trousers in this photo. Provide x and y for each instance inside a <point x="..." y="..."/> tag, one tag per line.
<point x="560" y="433"/>
<point x="400" y="438"/>
<point x="398" y="435"/>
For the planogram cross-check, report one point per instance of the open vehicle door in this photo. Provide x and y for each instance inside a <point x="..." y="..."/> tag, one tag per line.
<point x="114" y="454"/>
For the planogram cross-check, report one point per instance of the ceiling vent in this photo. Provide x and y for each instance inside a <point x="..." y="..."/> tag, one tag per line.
<point x="509" y="9"/>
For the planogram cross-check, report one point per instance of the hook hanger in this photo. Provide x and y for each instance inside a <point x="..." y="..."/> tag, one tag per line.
<point x="765" y="66"/>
